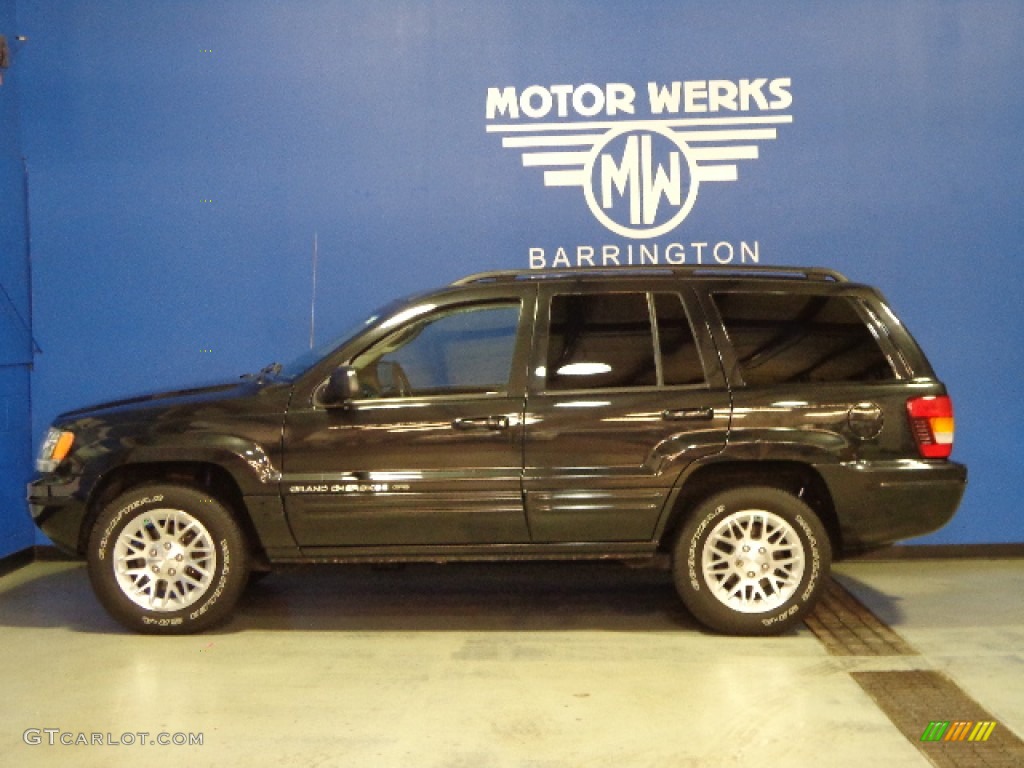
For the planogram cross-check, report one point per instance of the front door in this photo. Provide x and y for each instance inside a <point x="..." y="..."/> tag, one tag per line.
<point x="430" y="452"/>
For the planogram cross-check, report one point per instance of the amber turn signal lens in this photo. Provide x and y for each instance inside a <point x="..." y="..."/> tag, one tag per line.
<point x="55" y="448"/>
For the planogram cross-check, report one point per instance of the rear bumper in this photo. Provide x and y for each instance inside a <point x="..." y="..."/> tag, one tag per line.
<point x="878" y="503"/>
<point x="58" y="512"/>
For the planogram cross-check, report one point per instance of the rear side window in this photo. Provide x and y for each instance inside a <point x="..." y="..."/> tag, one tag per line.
<point x="680" y="361"/>
<point x="612" y="340"/>
<point x="782" y="338"/>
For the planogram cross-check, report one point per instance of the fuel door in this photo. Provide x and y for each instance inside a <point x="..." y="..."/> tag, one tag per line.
<point x="865" y="420"/>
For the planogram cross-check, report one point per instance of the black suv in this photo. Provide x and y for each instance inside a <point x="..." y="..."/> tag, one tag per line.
<point x="742" y="424"/>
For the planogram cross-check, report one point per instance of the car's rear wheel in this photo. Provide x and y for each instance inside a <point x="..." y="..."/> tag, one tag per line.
<point x="751" y="561"/>
<point x="167" y="559"/>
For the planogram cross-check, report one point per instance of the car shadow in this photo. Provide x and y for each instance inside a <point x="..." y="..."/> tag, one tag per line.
<point x="463" y="597"/>
<point x="466" y="597"/>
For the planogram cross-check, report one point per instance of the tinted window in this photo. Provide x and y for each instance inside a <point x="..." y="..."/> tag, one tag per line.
<point x="796" y="337"/>
<point x="680" y="361"/>
<point x="606" y="340"/>
<point x="600" y="340"/>
<point x="462" y="350"/>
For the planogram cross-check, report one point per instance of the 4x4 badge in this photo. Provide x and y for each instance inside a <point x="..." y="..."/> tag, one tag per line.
<point x="640" y="177"/>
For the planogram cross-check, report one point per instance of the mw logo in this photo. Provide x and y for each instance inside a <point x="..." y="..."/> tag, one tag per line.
<point x="640" y="182"/>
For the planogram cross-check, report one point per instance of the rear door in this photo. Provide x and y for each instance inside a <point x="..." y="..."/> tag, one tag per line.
<point x="625" y="391"/>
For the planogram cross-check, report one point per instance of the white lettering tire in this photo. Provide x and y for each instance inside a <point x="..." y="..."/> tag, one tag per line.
<point x="167" y="559"/>
<point x="751" y="561"/>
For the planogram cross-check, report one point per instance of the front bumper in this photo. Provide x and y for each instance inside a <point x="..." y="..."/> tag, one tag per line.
<point x="58" y="512"/>
<point x="878" y="503"/>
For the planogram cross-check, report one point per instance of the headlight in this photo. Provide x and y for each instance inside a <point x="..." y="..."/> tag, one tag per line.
<point x="56" y="445"/>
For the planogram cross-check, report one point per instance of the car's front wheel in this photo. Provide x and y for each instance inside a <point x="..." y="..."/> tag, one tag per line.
<point x="167" y="559"/>
<point x="751" y="561"/>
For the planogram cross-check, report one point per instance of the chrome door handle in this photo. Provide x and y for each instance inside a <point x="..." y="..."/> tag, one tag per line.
<point x="689" y="414"/>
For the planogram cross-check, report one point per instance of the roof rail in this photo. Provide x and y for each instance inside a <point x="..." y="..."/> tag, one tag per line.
<point x="823" y="274"/>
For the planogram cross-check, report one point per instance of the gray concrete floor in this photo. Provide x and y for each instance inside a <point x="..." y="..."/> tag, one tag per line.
<point x="489" y="665"/>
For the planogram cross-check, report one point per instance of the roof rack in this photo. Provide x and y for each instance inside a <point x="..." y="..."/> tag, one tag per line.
<point x="791" y="273"/>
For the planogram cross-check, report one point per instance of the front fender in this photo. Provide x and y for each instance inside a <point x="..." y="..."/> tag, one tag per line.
<point x="249" y="464"/>
<point x="101" y="453"/>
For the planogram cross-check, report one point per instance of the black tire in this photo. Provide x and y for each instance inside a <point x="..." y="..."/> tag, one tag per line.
<point x="764" y="589"/>
<point x="167" y="559"/>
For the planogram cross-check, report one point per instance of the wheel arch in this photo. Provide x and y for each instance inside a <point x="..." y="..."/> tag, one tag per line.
<point x="205" y="476"/>
<point x="799" y="479"/>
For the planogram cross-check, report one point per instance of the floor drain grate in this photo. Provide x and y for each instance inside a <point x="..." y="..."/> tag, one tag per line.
<point x="947" y="725"/>
<point x="846" y="628"/>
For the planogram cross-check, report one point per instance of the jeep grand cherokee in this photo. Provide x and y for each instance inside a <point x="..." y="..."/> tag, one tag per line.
<point x="741" y="424"/>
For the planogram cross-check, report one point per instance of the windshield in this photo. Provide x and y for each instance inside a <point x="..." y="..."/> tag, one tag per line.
<point x="308" y="359"/>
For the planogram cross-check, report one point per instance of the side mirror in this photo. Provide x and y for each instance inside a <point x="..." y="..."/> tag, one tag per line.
<point x="341" y="387"/>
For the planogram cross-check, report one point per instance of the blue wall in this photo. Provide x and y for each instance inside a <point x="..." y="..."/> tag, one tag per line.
<point x="184" y="155"/>
<point x="16" y="532"/>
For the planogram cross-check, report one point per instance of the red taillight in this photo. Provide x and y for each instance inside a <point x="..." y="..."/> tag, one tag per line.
<point x="931" y="421"/>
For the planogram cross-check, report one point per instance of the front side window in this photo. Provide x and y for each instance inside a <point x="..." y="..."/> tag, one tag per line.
<point x="613" y="340"/>
<point x="461" y="350"/>
<point x="782" y="338"/>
